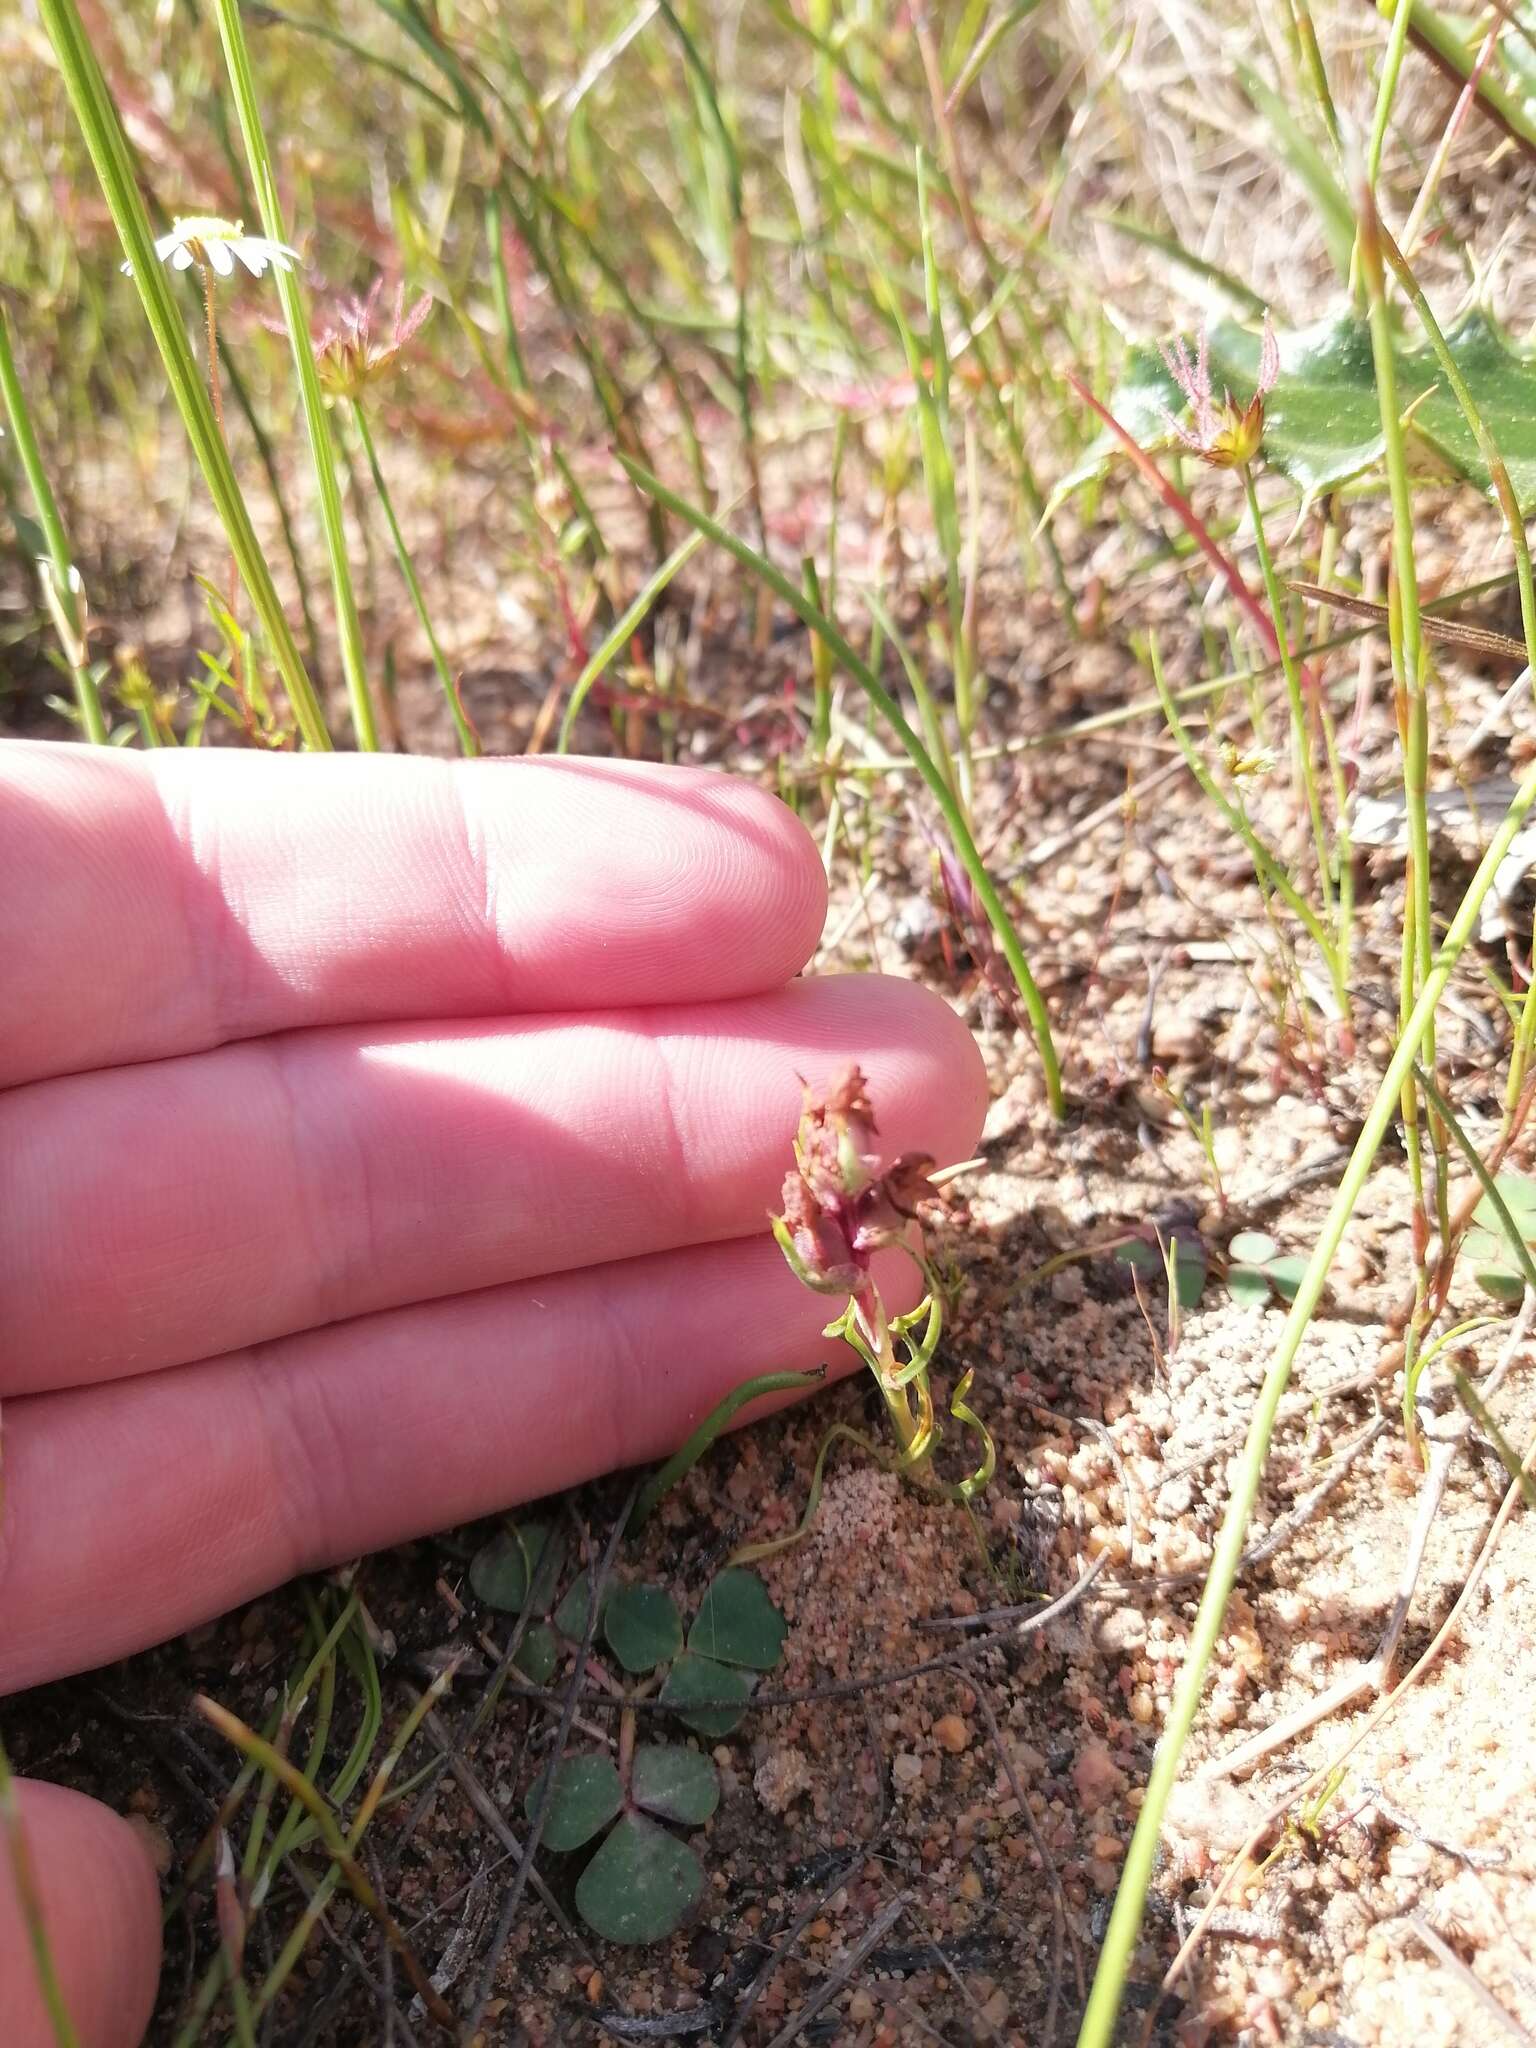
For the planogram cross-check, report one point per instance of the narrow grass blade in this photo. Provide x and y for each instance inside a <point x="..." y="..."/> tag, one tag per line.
<point x="469" y="739"/>
<point x="1120" y="1940"/>
<point x="923" y="761"/>
<point x="63" y="600"/>
<point x="104" y="138"/>
<point x="634" y="615"/>
<point x="349" y="630"/>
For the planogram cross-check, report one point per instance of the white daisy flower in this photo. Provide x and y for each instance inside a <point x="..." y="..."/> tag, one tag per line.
<point x="209" y="242"/>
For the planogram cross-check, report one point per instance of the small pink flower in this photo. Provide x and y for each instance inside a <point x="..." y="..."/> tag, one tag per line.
<point x="349" y="355"/>
<point x="1224" y="435"/>
<point x="839" y="1209"/>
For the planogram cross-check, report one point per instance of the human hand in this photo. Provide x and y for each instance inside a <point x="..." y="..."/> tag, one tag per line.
<point x="382" y="1142"/>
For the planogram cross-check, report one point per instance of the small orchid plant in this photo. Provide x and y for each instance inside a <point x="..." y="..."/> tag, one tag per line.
<point x="840" y="1208"/>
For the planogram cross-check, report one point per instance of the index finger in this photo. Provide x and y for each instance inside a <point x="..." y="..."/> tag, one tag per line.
<point x="157" y="904"/>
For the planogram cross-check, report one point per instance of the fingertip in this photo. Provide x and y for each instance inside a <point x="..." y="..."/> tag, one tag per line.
<point x="101" y="1910"/>
<point x="782" y="922"/>
<point x="692" y="885"/>
<point x="928" y="1081"/>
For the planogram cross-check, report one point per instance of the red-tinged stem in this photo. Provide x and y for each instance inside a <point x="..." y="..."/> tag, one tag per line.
<point x="1195" y="527"/>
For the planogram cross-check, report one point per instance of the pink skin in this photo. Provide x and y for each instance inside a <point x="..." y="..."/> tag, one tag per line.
<point x="382" y="1142"/>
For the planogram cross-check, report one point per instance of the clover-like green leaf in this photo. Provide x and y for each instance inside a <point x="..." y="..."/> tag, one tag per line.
<point x="1252" y="1248"/>
<point x="738" y="1623"/>
<point x="640" y="1885"/>
<point x="1188" y="1265"/>
<point x="1286" y="1275"/>
<point x="678" y="1784"/>
<point x="521" y="1563"/>
<point x="1248" y="1286"/>
<point x="587" y="1795"/>
<point x="1518" y="1193"/>
<point x="1493" y="1266"/>
<point x="643" y="1626"/>
<point x="1322" y="422"/>
<point x="571" y="1614"/>
<point x="693" y="1678"/>
<point x="538" y="1654"/>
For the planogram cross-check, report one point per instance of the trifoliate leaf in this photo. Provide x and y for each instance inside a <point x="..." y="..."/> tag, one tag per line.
<point x="517" y="1558"/>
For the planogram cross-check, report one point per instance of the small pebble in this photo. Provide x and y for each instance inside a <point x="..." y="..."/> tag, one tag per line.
<point x="952" y="1734"/>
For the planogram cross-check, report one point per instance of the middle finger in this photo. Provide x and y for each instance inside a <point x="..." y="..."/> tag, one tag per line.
<point x="171" y="1211"/>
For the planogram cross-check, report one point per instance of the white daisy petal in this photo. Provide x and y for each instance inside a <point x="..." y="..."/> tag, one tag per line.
<point x="181" y="257"/>
<point x="220" y="258"/>
<point x="127" y="269"/>
<point x="252" y="254"/>
<point x="164" y="244"/>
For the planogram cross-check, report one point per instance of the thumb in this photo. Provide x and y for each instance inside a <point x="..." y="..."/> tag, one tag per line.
<point x="100" y="1907"/>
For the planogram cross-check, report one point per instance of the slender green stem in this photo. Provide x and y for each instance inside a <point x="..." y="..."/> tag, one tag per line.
<point x="262" y="1753"/>
<point x="1386" y="91"/>
<point x="683" y="1460"/>
<point x="960" y="832"/>
<point x="622" y="630"/>
<point x="104" y="138"/>
<point x="1301" y="723"/>
<point x="1411" y="660"/>
<point x="62" y="600"/>
<point x="348" y="626"/>
<point x="1269" y="869"/>
<point x="469" y="742"/>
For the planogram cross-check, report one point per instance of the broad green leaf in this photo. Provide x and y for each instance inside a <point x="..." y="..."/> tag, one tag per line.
<point x="1189" y="1275"/>
<point x="1286" y="1275"/>
<point x="1322" y="424"/>
<point x="538" y="1654"/>
<point x="738" y="1623"/>
<point x="1252" y="1248"/>
<point x="643" y="1626"/>
<point x="701" y="1678"/>
<point x="571" y="1614"/>
<point x="1519" y="1193"/>
<point x="1492" y="1267"/>
<point x="641" y="1883"/>
<point x="521" y="1556"/>
<point x="1188" y="1266"/>
<point x="1248" y="1286"/>
<point x="678" y="1784"/>
<point x="587" y="1795"/>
